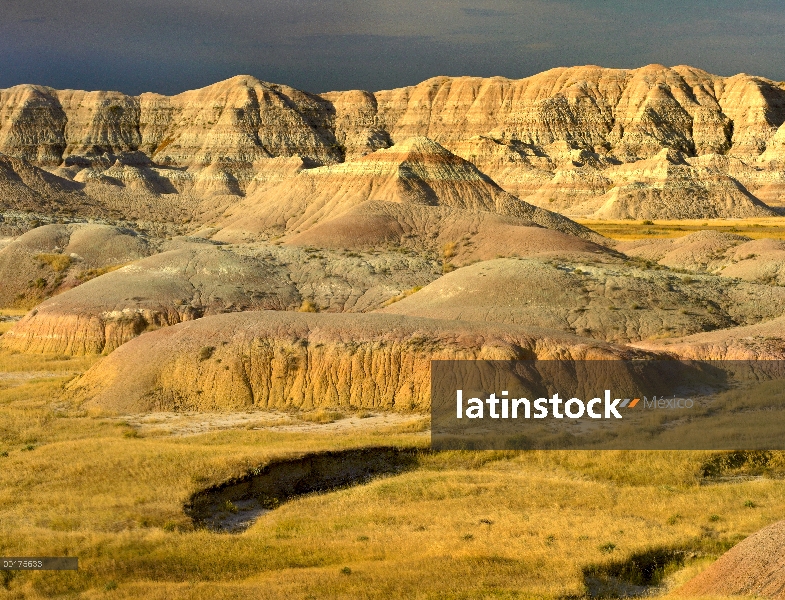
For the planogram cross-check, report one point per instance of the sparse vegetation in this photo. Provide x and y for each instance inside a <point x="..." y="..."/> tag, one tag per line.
<point x="89" y="274"/>
<point x="450" y="250"/>
<point x="57" y="262"/>
<point x="114" y="489"/>
<point x="206" y="352"/>
<point x="308" y="307"/>
<point x="403" y="295"/>
<point x="322" y="416"/>
<point x="460" y="491"/>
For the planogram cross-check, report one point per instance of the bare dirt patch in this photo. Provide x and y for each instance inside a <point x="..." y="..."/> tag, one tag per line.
<point x="195" y="423"/>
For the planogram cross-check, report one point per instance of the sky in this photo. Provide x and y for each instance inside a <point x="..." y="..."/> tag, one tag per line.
<point x="169" y="46"/>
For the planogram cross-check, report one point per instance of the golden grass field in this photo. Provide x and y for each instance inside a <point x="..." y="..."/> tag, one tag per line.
<point x="765" y="227"/>
<point x="9" y="312"/>
<point x="461" y="525"/>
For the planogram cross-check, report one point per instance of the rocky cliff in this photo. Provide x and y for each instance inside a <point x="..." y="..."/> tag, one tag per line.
<point x="551" y="136"/>
<point x="629" y="113"/>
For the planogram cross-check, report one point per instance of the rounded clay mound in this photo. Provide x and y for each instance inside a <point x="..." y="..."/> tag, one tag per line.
<point x="754" y="567"/>
<point x="53" y="258"/>
<point x="615" y="302"/>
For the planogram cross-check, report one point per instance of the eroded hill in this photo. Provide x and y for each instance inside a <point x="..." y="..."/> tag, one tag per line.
<point x="560" y="139"/>
<point x="206" y="241"/>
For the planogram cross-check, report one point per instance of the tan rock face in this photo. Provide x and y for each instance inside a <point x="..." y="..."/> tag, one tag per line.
<point x="631" y="113"/>
<point x="25" y="187"/>
<point x="667" y="187"/>
<point x="277" y="360"/>
<point x="32" y="124"/>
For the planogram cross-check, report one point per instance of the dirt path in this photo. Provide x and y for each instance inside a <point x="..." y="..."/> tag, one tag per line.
<point x="194" y="423"/>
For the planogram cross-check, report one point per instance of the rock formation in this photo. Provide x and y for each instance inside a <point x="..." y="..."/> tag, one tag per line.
<point x="163" y="213"/>
<point x="285" y="359"/>
<point x="198" y="280"/>
<point x="50" y="259"/>
<point x="762" y="341"/>
<point x="609" y="301"/>
<point x="416" y="172"/>
<point x="724" y="254"/>
<point x="554" y="137"/>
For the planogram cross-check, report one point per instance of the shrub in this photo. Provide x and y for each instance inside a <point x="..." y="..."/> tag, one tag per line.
<point x="57" y="262"/>
<point x="308" y="306"/>
<point x="93" y="273"/>
<point x="206" y="352"/>
<point x="322" y="416"/>
<point x="403" y="295"/>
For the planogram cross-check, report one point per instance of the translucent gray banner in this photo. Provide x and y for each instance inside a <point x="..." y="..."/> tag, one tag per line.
<point x="607" y="404"/>
<point x="39" y="563"/>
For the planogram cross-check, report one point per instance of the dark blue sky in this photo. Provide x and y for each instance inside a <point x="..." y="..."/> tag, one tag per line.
<point x="169" y="46"/>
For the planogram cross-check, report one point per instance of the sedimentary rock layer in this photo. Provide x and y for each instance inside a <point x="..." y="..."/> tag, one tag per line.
<point x="416" y="172"/>
<point x="634" y="112"/>
<point x="554" y="137"/>
<point x="284" y="359"/>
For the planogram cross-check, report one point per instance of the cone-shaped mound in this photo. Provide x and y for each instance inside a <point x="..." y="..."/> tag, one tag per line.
<point x="417" y="172"/>
<point x="476" y="235"/>
<point x="25" y="187"/>
<point x="667" y="187"/>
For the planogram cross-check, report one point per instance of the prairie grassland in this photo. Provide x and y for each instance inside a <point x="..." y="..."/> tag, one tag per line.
<point x="768" y="227"/>
<point x="461" y="525"/>
<point x="9" y="312"/>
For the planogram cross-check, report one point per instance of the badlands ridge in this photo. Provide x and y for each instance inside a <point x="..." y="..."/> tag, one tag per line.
<point x="208" y="241"/>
